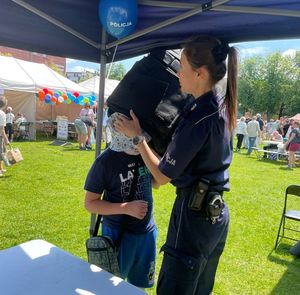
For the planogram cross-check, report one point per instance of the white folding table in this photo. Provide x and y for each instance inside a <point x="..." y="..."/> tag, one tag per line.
<point x="38" y="267"/>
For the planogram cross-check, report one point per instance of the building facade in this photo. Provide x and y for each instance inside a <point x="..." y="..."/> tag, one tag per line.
<point x="49" y="60"/>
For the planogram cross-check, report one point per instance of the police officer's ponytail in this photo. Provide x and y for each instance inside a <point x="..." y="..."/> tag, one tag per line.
<point x="231" y="92"/>
<point x="212" y="53"/>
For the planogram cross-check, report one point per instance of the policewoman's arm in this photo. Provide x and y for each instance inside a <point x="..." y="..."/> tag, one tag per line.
<point x="132" y="128"/>
<point x="94" y="204"/>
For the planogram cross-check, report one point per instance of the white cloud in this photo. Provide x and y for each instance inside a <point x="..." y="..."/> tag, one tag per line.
<point x="290" y="52"/>
<point x="70" y="60"/>
<point x="81" y="69"/>
<point x="254" y="51"/>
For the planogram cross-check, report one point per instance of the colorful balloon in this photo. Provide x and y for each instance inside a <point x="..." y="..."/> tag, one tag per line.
<point x="41" y="95"/>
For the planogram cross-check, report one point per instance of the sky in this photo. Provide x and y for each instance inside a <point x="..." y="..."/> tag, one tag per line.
<point x="246" y="49"/>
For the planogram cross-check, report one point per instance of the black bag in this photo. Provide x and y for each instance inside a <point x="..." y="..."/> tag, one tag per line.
<point x="102" y="252"/>
<point x="151" y="89"/>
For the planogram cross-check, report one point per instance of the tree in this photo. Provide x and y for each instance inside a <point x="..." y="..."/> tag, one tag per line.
<point x="269" y="85"/>
<point x="117" y="71"/>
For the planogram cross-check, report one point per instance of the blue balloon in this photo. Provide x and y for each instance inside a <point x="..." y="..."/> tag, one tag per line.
<point x="56" y="95"/>
<point x="80" y="97"/>
<point x="118" y="17"/>
<point x="47" y="99"/>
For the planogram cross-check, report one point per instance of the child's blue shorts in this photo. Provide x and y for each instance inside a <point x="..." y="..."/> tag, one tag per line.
<point x="136" y="257"/>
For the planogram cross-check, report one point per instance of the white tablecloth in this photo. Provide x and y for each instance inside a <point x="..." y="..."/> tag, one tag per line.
<point x="40" y="268"/>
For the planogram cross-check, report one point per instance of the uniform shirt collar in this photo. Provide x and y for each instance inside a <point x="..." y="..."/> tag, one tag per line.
<point x="206" y="98"/>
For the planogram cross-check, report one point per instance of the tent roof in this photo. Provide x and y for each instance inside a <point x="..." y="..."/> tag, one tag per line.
<point x="93" y="85"/>
<point x="296" y="117"/>
<point x="20" y="75"/>
<point x="234" y="21"/>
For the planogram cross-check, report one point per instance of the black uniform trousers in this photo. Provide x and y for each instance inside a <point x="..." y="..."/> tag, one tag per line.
<point x="192" y="251"/>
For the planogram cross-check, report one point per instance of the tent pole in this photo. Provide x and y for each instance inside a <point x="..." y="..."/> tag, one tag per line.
<point x="258" y="10"/>
<point x="100" y="108"/>
<point x="239" y="9"/>
<point x="101" y="94"/>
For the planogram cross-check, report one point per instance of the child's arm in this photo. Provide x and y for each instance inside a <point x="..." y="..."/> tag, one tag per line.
<point x="94" y="204"/>
<point x="155" y="184"/>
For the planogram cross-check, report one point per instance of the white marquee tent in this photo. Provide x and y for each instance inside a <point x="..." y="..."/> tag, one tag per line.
<point x="22" y="79"/>
<point x="93" y="85"/>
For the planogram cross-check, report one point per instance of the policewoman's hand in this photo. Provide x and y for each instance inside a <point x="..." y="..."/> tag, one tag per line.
<point x="137" y="209"/>
<point x="130" y="128"/>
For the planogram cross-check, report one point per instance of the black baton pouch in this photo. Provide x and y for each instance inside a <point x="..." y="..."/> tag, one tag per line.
<point x="198" y="195"/>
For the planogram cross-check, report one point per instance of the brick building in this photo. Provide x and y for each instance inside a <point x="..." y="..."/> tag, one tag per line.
<point x="49" y="60"/>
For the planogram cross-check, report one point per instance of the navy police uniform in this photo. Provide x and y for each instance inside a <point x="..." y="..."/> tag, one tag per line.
<point x="201" y="149"/>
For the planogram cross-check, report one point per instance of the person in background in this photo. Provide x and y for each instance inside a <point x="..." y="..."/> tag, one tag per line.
<point x="261" y="127"/>
<point x="241" y="131"/>
<point x="87" y="115"/>
<point x="285" y="127"/>
<point x="273" y="146"/>
<point x="3" y="138"/>
<point x="126" y="206"/>
<point x="270" y="128"/>
<point x="253" y="131"/>
<point x="10" y="117"/>
<point x="196" y="162"/>
<point x="106" y="137"/>
<point x="82" y="132"/>
<point x="20" y="130"/>
<point x="291" y="127"/>
<point x="246" y="138"/>
<point x="293" y="144"/>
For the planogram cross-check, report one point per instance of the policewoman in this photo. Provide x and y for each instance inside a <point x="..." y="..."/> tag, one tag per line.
<point x="196" y="162"/>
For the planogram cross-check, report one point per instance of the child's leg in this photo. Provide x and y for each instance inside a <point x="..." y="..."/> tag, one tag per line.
<point x="142" y="272"/>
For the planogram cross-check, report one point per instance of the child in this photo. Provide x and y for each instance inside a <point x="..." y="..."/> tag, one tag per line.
<point x="128" y="206"/>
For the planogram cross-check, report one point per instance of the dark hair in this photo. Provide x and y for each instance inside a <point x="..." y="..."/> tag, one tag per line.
<point x="212" y="53"/>
<point x="3" y="101"/>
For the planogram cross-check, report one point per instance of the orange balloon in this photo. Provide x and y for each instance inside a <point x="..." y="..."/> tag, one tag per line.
<point x="50" y="92"/>
<point x="41" y="94"/>
<point x="65" y="97"/>
<point x="53" y="99"/>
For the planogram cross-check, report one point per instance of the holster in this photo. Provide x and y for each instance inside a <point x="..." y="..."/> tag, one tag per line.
<point x="197" y="196"/>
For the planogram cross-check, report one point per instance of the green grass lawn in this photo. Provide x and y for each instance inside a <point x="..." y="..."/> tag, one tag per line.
<point x="42" y="198"/>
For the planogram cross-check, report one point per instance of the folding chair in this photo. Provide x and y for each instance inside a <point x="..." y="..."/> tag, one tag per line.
<point x="294" y="215"/>
<point x="48" y="128"/>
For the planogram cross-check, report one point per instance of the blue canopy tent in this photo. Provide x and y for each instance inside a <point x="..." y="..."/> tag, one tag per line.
<point x="71" y="28"/>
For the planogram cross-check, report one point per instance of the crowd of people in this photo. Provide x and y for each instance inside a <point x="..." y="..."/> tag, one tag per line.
<point x="251" y="131"/>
